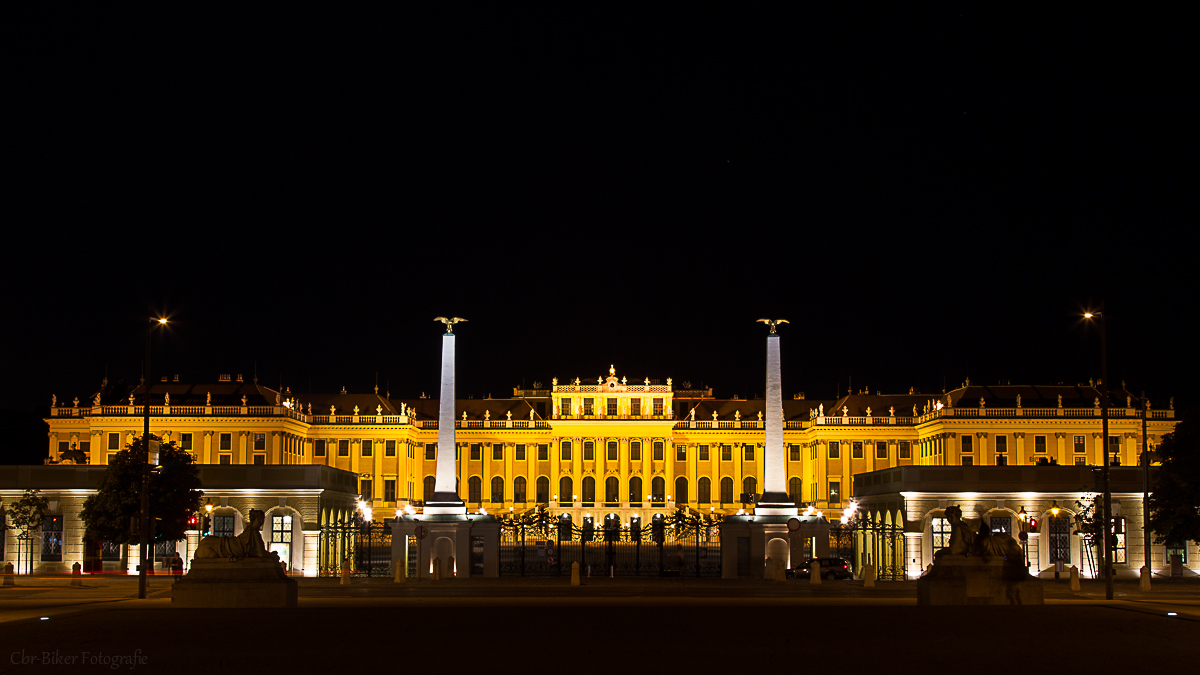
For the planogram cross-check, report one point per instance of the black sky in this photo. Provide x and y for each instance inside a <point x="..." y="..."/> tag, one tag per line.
<point x="927" y="194"/>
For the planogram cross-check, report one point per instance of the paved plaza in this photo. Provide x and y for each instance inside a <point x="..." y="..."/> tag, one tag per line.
<point x="667" y="623"/>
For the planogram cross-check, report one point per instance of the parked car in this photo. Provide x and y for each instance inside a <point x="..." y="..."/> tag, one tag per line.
<point x="831" y="568"/>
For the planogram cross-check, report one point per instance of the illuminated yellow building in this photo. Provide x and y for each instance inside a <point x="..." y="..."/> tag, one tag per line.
<point x="609" y="445"/>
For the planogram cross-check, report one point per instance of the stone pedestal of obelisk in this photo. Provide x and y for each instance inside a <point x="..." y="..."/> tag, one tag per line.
<point x="445" y="530"/>
<point x="747" y="541"/>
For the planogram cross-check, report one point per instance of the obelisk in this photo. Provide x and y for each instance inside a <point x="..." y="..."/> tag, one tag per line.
<point x="775" y="500"/>
<point x="445" y="499"/>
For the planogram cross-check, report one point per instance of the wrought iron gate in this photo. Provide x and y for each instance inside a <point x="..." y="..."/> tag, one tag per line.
<point x="679" y="544"/>
<point x="867" y="540"/>
<point x="364" y="549"/>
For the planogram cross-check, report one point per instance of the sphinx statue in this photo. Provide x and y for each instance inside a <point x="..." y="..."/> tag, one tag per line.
<point x="965" y="540"/>
<point x="248" y="544"/>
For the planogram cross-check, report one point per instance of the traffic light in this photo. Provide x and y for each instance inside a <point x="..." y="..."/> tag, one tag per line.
<point x="207" y="527"/>
<point x="192" y="520"/>
<point x="1033" y="523"/>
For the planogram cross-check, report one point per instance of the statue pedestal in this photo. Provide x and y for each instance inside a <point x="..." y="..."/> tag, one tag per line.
<point x="472" y="540"/>
<point x="221" y="582"/>
<point x="968" y="580"/>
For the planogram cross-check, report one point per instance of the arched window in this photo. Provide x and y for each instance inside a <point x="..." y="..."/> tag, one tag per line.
<point x="543" y="490"/>
<point x="589" y="489"/>
<point x="681" y="495"/>
<point x="635" y="490"/>
<point x="749" y="486"/>
<point x="430" y="482"/>
<point x="498" y="490"/>
<point x="519" y="490"/>
<point x="658" y="489"/>
<point x="703" y="490"/>
<point x="727" y="490"/>
<point x="612" y="489"/>
<point x="565" y="490"/>
<point x="794" y="490"/>
<point x="474" y="489"/>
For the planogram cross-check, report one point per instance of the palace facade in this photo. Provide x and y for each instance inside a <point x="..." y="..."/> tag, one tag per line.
<point x="609" y="445"/>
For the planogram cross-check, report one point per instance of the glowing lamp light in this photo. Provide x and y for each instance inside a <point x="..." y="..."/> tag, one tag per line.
<point x="162" y="322"/>
<point x="365" y="509"/>
<point x="1054" y="507"/>
<point x="1087" y="315"/>
<point x="574" y="498"/>
<point x="510" y="509"/>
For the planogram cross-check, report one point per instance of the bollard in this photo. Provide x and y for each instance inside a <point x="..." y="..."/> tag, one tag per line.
<point x="451" y="571"/>
<point x="868" y="576"/>
<point x="780" y="571"/>
<point x="437" y="569"/>
<point x="769" y="570"/>
<point x="345" y="580"/>
<point x="76" y="575"/>
<point x="575" y="573"/>
<point x="1074" y="578"/>
<point x="401" y="572"/>
<point x="1145" y="580"/>
<point x="9" y="579"/>
<point x="814" y="572"/>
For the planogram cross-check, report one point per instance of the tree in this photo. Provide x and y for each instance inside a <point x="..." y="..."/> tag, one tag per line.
<point x="27" y="513"/>
<point x="1175" y="500"/>
<point x="113" y="512"/>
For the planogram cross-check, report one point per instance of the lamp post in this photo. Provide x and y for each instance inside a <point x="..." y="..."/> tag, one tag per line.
<point x="144" y="515"/>
<point x="1107" y="522"/>
<point x="1024" y="516"/>
<point x="1145" y="458"/>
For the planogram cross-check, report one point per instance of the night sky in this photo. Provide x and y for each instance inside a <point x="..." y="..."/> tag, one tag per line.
<point x="925" y="196"/>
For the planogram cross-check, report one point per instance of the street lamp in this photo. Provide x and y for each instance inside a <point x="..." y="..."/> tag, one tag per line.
<point x="1024" y="516"/>
<point x="144" y="519"/>
<point x="1107" y="522"/>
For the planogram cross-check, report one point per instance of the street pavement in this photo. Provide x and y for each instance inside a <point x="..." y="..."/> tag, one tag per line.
<point x="498" y="624"/>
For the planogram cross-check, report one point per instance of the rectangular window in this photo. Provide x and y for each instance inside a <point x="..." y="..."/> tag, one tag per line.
<point x="63" y="446"/>
<point x="794" y="452"/>
<point x="905" y="450"/>
<point x="543" y="452"/>
<point x="748" y="452"/>
<point x="260" y="459"/>
<point x="1118" y="556"/>
<point x="703" y="453"/>
<point x="497" y="451"/>
<point x="1001" y="460"/>
<point x="389" y="490"/>
<point x="635" y="451"/>
<point x="110" y="550"/>
<point x="260" y="441"/>
<point x="226" y="442"/>
<point x="520" y="453"/>
<point x="366" y="448"/>
<point x="281" y="529"/>
<point x="835" y="491"/>
<point x="1039" y="443"/>
<point x="613" y="451"/>
<point x="658" y="406"/>
<point x="226" y="459"/>
<point x="726" y="453"/>
<point x="835" y="450"/>
<point x="430" y="452"/>
<point x="658" y="451"/>
<point x="319" y="448"/>
<point x="114" y="441"/>
<point x="941" y="534"/>
<point x="389" y="448"/>
<point x="343" y="448"/>
<point x="967" y="444"/>
<point x="856" y="449"/>
<point x="1080" y="461"/>
<point x="1114" y="445"/>
<point x="476" y="452"/>
<point x="881" y="450"/>
<point x="223" y="526"/>
<point x="588" y="408"/>
<point x="1001" y="524"/>
<point x="85" y="447"/>
<point x="185" y="441"/>
<point x="635" y="407"/>
<point x="1080" y="444"/>
<point x="566" y="407"/>
<point x="519" y="490"/>
<point x="1060" y="538"/>
<point x="589" y="451"/>
<point x="612" y="407"/>
<point x="52" y="538"/>
<point x="566" y="451"/>
<point x="968" y="460"/>
<point x="365" y="489"/>
<point x="680" y="453"/>
<point x="1001" y="445"/>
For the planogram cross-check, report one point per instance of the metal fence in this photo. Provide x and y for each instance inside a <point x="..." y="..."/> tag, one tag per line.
<point x="676" y="545"/>
<point x="868" y="540"/>
<point x="362" y="549"/>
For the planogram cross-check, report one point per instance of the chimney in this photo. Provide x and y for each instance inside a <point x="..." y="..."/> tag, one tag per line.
<point x="223" y="377"/>
<point x="176" y="377"/>
<point x="239" y="377"/>
<point x="164" y="379"/>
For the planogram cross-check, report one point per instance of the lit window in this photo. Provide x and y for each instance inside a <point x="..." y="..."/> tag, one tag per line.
<point x="658" y="407"/>
<point x="856" y="449"/>
<point x="881" y="450"/>
<point x="835" y="450"/>
<point x="185" y="441"/>
<point x="260" y="441"/>
<point x="905" y="450"/>
<point x="1080" y="444"/>
<point x="226" y="441"/>
<point x="319" y="448"/>
<point x="658" y="451"/>
<point x="612" y="407"/>
<point x="223" y="526"/>
<point x="941" y="533"/>
<point x="389" y="449"/>
<point x="635" y="451"/>
<point x="114" y="441"/>
<point x="680" y="453"/>
<point x="389" y="490"/>
<point x="589" y="451"/>
<point x="635" y="407"/>
<point x="281" y="529"/>
<point x="52" y="538"/>
<point x="497" y="451"/>
<point x="519" y="490"/>
<point x="343" y="448"/>
<point x="587" y="406"/>
<point x="1039" y="443"/>
<point x="703" y="453"/>
<point x="520" y="453"/>
<point x="366" y="448"/>
<point x="748" y="452"/>
<point x="612" y="451"/>
<point x="835" y="491"/>
<point x="566" y="451"/>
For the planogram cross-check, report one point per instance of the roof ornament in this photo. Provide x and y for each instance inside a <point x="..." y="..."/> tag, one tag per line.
<point x="554" y="381"/>
<point x="599" y="380"/>
<point x="772" y="323"/>
<point x="1172" y="403"/>
<point x="131" y="399"/>
<point x="54" y="401"/>
<point x="949" y="401"/>
<point x="464" y="415"/>
<point x="208" y="398"/>
<point x="892" y="411"/>
<point x="968" y="381"/>
<point x="915" y="410"/>
<point x="845" y="411"/>
<point x="692" y="414"/>
<point x="1097" y="401"/>
<point x="530" y="414"/>
<point x="243" y="400"/>
<point x="96" y="400"/>
<point x="355" y="410"/>
<point x="508" y="414"/>
<point x="981" y="402"/>
<point x="612" y="371"/>
<point x="668" y="382"/>
<point x="1060" y="400"/>
<point x="714" y="415"/>
<point x="310" y="407"/>
<point x="277" y="399"/>
<point x="449" y="322"/>
<point x="1128" y="401"/>
<point x="1018" y="400"/>
<point x="75" y="402"/>
<point x="166" y="399"/>
<point x="647" y="382"/>
<point x="487" y="415"/>
<point x="759" y="415"/>
<point x="577" y="382"/>
<point x="737" y="415"/>
<point x="332" y="410"/>
<point x="379" y="410"/>
<point x="821" y="409"/>
<point x="868" y="411"/>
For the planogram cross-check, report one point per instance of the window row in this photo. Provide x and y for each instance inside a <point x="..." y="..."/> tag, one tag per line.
<point x="567" y="406"/>
<point x="613" y="494"/>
